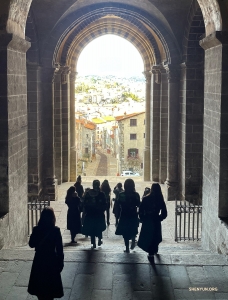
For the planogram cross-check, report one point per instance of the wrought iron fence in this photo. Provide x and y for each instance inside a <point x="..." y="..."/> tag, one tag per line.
<point x="35" y="207"/>
<point x="188" y="221"/>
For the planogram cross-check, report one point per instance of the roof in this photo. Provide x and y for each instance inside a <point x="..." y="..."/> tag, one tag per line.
<point x="124" y="117"/>
<point x="86" y="123"/>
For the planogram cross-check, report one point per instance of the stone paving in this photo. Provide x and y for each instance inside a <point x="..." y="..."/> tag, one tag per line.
<point x="107" y="273"/>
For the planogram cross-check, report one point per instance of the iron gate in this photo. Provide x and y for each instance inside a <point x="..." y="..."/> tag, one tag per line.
<point x="188" y="221"/>
<point x="35" y="207"/>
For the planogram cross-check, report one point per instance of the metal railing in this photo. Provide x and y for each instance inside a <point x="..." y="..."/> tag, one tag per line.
<point x="35" y="207"/>
<point x="188" y="221"/>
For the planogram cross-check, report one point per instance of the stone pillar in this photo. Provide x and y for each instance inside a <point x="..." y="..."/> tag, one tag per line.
<point x="173" y="73"/>
<point x="147" y="163"/>
<point x="163" y="126"/>
<point x="66" y="124"/>
<point x="155" y="123"/>
<point x="73" y="163"/>
<point x="13" y="141"/>
<point x="35" y="154"/>
<point x="57" y="82"/>
<point x="48" y="132"/>
<point x="215" y="146"/>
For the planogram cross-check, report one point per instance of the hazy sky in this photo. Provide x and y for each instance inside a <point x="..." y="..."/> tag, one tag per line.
<point x="110" y="55"/>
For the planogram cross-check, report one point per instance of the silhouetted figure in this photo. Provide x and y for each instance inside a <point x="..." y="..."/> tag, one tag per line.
<point x="146" y="192"/>
<point x="79" y="187"/>
<point x="73" y="215"/>
<point x="128" y="202"/>
<point x="95" y="206"/>
<point x="152" y="211"/>
<point x="105" y="188"/>
<point x="45" y="279"/>
<point x="116" y="209"/>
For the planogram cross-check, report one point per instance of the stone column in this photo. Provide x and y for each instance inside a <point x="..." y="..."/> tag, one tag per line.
<point x="173" y="73"/>
<point x="57" y="82"/>
<point x="155" y="123"/>
<point x="66" y="124"/>
<point x="215" y="142"/>
<point x="163" y="126"/>
<point x="48" y="132"/>
<point x="13" y="141"/>
<point x="35" y="154"/>
<point x="73" y="163"/>
<point x="147" y="163"/>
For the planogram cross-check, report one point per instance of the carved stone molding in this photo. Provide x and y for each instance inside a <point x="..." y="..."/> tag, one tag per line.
<point x="214" y="39"/>
<point x="73" y="76"/>
<point x="147" y="75"/>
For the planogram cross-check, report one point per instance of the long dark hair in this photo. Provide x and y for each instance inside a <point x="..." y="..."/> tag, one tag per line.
<point x="156" y="190"/>
<point x="47" y="218"/>
<point x="129" y="185"/>
<point x="105" y="187"/>
<point x="70" y="191"/>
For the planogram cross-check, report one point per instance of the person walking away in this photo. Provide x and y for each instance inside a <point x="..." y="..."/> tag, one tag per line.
<point x="152" y="212"/>
<point x="105" y="188"/>
<point x="73" y="214"/>
<point x="78" y="186"/>
<point x="129" y="201"/>
<point x="95" y="206"/>
<point x="45" y="278"/>
<point x="116" y="209"/>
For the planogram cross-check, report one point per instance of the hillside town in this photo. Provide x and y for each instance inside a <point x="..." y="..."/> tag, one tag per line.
<point x="110" y="117"/>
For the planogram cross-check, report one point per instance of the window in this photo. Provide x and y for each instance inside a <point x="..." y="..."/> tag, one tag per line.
<point x="133" y="136"/>
<point x="133" y="122"/>
<point x="133" y="152"/>
<point x="144" y="135"/>
<point x="144" y="121"/>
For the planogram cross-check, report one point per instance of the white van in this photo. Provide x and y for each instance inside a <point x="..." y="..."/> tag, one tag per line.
<point x="129" y="173"/>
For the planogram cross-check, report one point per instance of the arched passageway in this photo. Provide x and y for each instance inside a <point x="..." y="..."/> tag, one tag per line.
<point x="186" y="95"/>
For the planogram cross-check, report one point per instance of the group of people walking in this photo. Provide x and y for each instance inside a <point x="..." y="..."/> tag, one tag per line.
<point x="86" y="215"/>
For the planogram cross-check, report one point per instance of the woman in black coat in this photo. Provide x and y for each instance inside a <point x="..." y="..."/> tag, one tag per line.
<point x="45" y="279"/>
<point x="73" y="215"/>
<point x="128" y="202"/>
<point x="105" y="188"/>
<point x="151" y="212"/>
<point x="116" y="210"/>
<point x="95" y="206"/>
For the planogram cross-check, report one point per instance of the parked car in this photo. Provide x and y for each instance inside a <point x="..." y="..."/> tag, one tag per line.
<point x="129" y="173"/>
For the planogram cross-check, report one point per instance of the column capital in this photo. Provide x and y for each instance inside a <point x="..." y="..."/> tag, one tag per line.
<point x="14" y="42"/>
<point x="156" y="71"/>
<point x="214" y="39"/>
<point x="173" y="72"/>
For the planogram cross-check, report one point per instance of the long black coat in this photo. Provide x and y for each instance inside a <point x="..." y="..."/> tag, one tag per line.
<point x="128" y="222"/>
<point x="94" y="205"/>
<point x="79" y="189"/>
<point x="116" y="208"/>
<point x="45" y="278"/>
<point x="73" y="214"/>
<point x="152" y="211"/>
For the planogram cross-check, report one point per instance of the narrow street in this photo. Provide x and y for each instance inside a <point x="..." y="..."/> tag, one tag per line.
<point x="102" y="169"/>
<point x="104" y="165"/>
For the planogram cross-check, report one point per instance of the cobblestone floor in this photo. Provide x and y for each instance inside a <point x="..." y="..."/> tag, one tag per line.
<point x="107" y="273"/>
